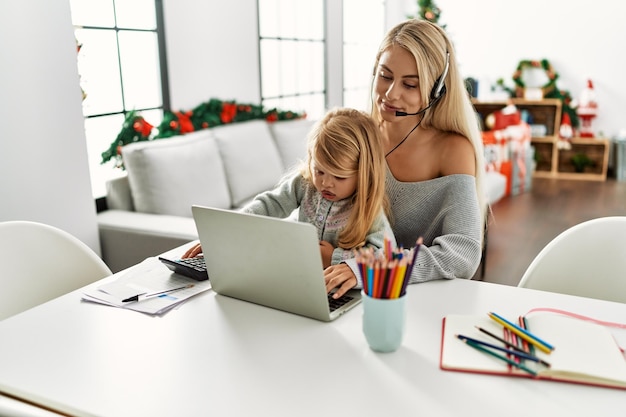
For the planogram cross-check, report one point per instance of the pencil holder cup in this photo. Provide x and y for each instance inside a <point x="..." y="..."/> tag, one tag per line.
<point x="383" y="322"/>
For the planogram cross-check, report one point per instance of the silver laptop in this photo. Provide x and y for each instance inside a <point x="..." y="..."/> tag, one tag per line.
<point x="267" y="261"/>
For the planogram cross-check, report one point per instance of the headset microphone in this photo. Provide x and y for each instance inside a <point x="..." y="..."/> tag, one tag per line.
<point x="403" y="113"/>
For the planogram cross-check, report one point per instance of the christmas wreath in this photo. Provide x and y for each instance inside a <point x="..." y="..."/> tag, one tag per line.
<point x="209" y="114"/>
<point x="519" y="83"/>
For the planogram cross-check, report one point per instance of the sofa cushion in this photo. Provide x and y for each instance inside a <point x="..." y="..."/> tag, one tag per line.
<point x="119" y="196"/>
<point x="168" y="176"/>
<point x="251" y="160"/>
<point x="291" y="138"/>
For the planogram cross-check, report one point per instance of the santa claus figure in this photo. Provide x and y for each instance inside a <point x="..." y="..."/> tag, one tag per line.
<point x="587" y="110"/>
<point x="566" y="132"/>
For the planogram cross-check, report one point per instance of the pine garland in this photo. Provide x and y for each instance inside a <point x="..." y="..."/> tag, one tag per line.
<point x="212" y="113"/>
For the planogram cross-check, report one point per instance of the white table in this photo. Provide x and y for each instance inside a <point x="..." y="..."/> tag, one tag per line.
<point x="224" y="357"/>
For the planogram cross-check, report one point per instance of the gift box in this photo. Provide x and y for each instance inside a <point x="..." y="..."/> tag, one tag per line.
<point x="508" y="150"/>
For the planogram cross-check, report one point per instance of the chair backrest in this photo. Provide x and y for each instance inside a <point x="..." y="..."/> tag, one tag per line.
<point x="39" y="262"/>
<point x="588" y="259"/>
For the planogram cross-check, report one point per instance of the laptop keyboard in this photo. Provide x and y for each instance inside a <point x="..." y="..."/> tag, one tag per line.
<point x="334" y="304"/>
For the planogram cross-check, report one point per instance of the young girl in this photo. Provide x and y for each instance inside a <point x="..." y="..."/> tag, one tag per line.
<point x="339" y="188"/>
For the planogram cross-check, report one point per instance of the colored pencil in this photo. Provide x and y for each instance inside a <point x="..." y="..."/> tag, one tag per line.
<point x="392" y="276"/>
<point x="495" y="355"/>
<point x="416" y="250"/>
<point x="524" y="324"/>
<point x="370" y="280"/>
<point x="500" y="339"/>
<point x="517" y="353"/>
<point x="399" y="274"/>
<point x="524" y="334"/>
<point x="363" y="270"/>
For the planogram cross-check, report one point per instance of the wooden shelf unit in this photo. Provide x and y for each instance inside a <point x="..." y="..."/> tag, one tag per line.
<point x="553" y="162"/>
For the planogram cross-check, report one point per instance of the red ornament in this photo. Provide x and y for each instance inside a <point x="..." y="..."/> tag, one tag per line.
<point x="272" y="117"/>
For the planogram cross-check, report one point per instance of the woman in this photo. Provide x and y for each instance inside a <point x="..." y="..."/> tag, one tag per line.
<point x="434" y="154"/>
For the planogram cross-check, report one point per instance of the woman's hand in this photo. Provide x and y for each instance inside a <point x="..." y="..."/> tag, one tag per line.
<point x="340" y="277"/>
<point x="327" y="253"/>
<point x="192" y="252"/>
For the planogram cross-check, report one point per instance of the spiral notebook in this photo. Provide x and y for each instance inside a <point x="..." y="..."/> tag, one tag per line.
<point x="584" y="352"/>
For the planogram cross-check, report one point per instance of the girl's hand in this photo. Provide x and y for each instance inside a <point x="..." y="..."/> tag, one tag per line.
<point x="340" y="277"/>
<point x="192" y="252"/>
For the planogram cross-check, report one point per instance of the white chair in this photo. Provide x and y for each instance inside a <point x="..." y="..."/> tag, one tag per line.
<point x="588" y="259"/>
<point x="41" y="262"/>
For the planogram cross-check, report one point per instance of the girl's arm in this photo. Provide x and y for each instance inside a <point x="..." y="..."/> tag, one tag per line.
<point x="375" y="239"/>
<point x="279" y="202"/>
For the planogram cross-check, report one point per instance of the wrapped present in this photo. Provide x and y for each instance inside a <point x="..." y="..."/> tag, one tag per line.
<point x="507" y="149"/>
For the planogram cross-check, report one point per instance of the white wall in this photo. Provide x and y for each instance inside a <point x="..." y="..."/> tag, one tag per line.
<point x="212" y="51"/>
<point x="581" y="40"/>
<point x="44" y="175"/>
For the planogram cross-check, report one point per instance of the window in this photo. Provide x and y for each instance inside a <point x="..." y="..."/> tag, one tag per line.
<point x="120" y="66"/>
<point x="298" y="40"/>
<point x="292" y="42"/>
<point x="363" y="30"/>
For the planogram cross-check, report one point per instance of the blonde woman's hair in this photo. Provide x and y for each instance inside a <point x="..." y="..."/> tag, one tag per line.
<point x="347" y="142"/>
<point x="453" y="112"/>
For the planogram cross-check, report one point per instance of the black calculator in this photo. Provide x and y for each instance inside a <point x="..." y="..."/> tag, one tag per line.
<point x="194" y="268"/>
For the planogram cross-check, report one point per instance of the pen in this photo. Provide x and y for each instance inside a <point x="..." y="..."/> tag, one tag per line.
<point x="517" y="353"/>
<point x="504" y="358"/>
<point x="524" y="334"/>
<point x="140" y="297"/>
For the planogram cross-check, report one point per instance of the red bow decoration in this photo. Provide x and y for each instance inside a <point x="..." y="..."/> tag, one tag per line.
<point x="184" y="120"/>
<point x="271" y="117"/>
<point x="229" y="111"/>
<point x="141" y="126"/>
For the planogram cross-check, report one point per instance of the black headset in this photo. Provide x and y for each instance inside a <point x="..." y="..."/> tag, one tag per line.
<point x="438" y="90"/>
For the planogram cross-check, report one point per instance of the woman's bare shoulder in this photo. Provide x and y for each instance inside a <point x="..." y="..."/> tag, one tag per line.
<point x="457" y="155"/>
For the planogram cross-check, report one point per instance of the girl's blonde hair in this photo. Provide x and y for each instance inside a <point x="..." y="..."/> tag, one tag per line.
<point x="454" y="111"/>
<point x="347" y="142"/>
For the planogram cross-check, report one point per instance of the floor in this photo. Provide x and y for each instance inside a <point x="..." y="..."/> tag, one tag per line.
<point x="522" y="225"/>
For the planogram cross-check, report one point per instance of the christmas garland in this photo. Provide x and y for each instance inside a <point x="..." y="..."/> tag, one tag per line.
<point x="519" y="83"/>
<point x="212" y="113"/>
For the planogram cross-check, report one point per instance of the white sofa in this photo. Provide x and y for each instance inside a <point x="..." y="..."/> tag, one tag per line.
<point x="149" y="209"/>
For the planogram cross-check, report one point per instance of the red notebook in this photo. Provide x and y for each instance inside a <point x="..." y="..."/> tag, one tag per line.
<point x="584" y="352"/>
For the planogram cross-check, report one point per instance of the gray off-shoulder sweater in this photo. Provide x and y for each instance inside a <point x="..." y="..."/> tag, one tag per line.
<point x="446" y="213"/>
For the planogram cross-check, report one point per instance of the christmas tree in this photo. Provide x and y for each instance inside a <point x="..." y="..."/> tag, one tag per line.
<point x="428" y="10"/>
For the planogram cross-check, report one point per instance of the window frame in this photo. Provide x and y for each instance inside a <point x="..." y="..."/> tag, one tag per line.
<point x="165" y="106"/>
